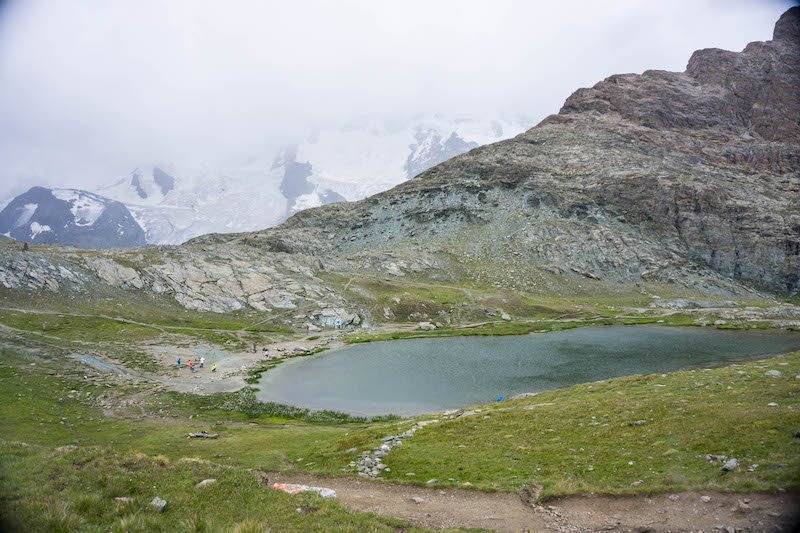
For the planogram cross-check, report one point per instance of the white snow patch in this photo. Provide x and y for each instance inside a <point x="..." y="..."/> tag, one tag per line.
<point x="307" y="201"/>
<point x="84" y="207"/>
<point x="37" y="228"/>
<point x="27" y="212"/>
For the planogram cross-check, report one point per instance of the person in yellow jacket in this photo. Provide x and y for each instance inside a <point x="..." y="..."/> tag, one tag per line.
<point x="213" y="367"/>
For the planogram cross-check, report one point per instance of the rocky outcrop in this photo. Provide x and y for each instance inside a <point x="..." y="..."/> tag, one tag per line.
<point x="209" y="279"/>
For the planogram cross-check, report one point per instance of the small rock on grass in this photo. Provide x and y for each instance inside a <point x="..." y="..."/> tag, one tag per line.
<point x="123" y="499"/>
<point x="205" y="483"/>
<point x="732" y="464"/>
<point x="158" y="504"/>
<point x="432" y="481"/>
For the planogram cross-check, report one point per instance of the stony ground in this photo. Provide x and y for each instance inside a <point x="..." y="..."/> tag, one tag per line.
<point x="454" y="508"/>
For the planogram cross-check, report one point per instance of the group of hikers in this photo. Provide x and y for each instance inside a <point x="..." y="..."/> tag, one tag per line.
<point x="202" y="364"/>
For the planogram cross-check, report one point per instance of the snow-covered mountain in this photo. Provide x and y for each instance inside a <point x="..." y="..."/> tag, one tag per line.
<point x="175" y="202"/>
<point x="69" y="216"/>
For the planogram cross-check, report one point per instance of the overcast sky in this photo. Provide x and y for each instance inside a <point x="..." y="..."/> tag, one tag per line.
<point x="89" y="89"/>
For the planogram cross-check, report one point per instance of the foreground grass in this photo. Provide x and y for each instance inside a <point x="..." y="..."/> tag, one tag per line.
<point x="585" y="438"/>
<point x="624" y="435"/>
<point x="74" y="489"/>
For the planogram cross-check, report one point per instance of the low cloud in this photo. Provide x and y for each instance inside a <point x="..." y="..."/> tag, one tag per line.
<point x="89" y="89"/>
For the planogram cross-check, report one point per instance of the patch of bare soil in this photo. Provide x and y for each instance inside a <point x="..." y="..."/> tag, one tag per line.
<point x="232" y="366"/>
<point x="449" y="508"/>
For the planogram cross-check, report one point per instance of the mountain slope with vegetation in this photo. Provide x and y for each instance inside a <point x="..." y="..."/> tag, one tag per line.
<point x="664" y="198"/>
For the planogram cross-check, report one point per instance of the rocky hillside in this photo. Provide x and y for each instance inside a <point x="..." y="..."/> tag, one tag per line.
<point x="69" y="216"/>
<point x="661" y="183"/>
<point x="688" y="178"/>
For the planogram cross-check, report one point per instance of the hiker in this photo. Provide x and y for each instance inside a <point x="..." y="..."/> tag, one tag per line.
<point x="500" y="398"/>
<point x="213" y="367"/>
<point x="179" y="361"/>
<point x="191" y="366"/>
<point x="202" y="361"/>
<point x="255" y="348"/>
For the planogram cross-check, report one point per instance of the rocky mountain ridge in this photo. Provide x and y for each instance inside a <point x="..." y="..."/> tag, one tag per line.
<point x="662" y="182"/>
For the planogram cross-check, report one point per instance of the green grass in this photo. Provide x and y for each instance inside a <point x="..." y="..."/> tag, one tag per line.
<point x="119" y="337"/>
<point x="580" y="439"/>
<point x="74" y="489"/>
<point x="583" y="442"/>
<point x="523" y="328"/>
<point x="140" y="306"/>
<point x="78" y="328"/>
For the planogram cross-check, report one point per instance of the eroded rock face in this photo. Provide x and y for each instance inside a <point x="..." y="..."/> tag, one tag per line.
<point x="687" y="177"/>
<point x="206" y="279"/>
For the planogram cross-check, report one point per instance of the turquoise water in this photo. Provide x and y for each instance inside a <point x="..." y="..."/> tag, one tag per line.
<point x="415" y="376"/>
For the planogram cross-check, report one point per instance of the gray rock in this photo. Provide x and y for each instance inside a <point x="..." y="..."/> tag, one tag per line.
<point x="205" y="483"/>
<point x="731" y="464"/>
<point x="773" y="373"/>
<point x="158" y="504"/>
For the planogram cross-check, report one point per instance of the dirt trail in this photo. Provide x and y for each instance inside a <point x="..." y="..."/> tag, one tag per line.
<point x="450" y="508"/>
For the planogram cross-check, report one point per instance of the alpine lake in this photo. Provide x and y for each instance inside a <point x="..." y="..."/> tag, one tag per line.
<point x="416" y="376"/>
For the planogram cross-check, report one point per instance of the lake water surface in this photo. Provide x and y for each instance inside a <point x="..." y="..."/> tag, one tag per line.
<point x="414" y="376"/>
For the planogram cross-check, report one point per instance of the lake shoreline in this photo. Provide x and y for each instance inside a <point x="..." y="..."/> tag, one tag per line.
<point x="712" y="352"/>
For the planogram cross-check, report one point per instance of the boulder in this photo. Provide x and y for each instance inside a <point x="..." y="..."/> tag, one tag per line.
<point x="158" y="504"/>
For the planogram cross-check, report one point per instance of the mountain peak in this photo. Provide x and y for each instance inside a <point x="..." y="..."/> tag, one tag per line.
<point x="69" y="216"/>
<point x="788" y="27"/>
